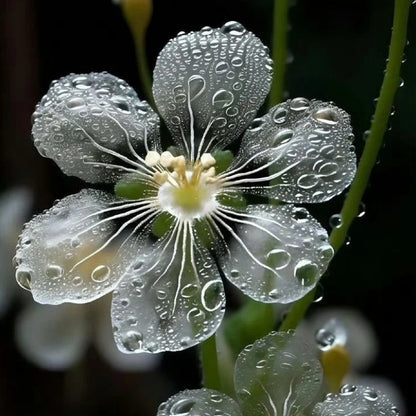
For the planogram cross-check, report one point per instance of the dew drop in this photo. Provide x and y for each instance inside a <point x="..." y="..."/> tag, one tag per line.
<point x="222" y="99"/>
<point x="282" y="137"/>
<point x="212" y="296"/>
<point x="370" y="395"/>
<point x="235" y="273"/>
<point x="77" y="281"/>
<point x="132" y="341"/>
<point x="335" y="221"/>
<point x="326" y="116"/>
<point x="100" y="274"/>
<point x="348" y="389"/>
<point x="299" y="104"/>
<point x="221" y="68"/>
<point x="236" y="61"/>
<point x="256" y="124"/>
<point x="54" y="271"/>
<point x="82" y="82"/>
<point x="233" y="28"/>
<point x="182" y="407"/>
<point x="74" y="103"/>
<point x="307" y="181"/>
<point x="278" y="258"/>
<point x="24" y="278"/>
<point x="279" y="116"/>
<point x="189" y="290"/>
<point x="306" y="272"/>
<point x="324" y="339"/>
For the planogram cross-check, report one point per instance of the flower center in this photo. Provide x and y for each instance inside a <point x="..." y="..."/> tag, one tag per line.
<point x="186" y="192"/>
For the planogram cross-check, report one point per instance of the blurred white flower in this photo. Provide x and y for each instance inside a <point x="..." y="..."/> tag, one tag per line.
<point x="57" y="338"/>
<point x="15" y="207"/>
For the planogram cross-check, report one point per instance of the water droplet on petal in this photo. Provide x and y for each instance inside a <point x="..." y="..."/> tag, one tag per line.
<point x="233" y="28"/>
<point x="132" y="341"/>
<point x="326" y="116"/>
<point x="24" y="277"/>
<point x="54" y="271"/>
<point x="212" y="295"/>
<point x="307" y="272"/>
<point x="278" y="258"/>
<point x="279" y="116"/>
<point x="325" y="339"/>
<point x="196" y="85"/>
<point x="299" y="104"/>
<point x="222" y="99"/>
<point x="100" y="274"/>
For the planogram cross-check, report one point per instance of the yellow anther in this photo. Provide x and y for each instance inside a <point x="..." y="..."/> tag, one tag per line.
<point x="210" y="172"/>
<point x="166" y="159"/>
<point x="336" y="364"/>
<point x="207" y="160"/>
<point x="160" y="177"/>
<point x="179" y="162"/>
<point x="152" y="158"/>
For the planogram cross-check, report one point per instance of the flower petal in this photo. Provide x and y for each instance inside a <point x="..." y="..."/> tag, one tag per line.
<point x="106" y="346"/>
<point x="53" y="338"/>
<point x="68" y="253"/>
<point x="175" y="302"/>
<point x="356" y="400"/>
<point x="92" y="125"/>
<point x="304" y="147"/>
<point x="277" y="375"/>
<point x="208" y="85"/>
<point x="199" y="402"/>
<point x="278" y="253"/>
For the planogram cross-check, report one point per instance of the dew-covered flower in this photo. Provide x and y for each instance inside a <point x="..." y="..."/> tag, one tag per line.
<point x="280" y="376"/>
<point x="180" y="218"/>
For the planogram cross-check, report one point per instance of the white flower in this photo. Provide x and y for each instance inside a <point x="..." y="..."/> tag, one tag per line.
<point x="168" y="293"/>
<point x="280" y="376"/>
<point x="57" y="338"/>
<point x="15" y="206"/>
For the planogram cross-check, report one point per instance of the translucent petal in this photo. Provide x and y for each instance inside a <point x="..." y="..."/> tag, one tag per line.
<point x="354" y="401"/>
<point x="199" y="402"/>
<point x="51" y="337"/>
<point x="309" y="143"/>
<point x="174" y="302"/>
<point x="92" y="124"/>
<point x="278" y="254"/>
<point x="54" y="257"/>
<point x="104" y="342"/>
<point x="277" y="376"/>
<point x="15" y="206"/>
<point x="360" y="341"/>
<point x="208" y="85"/>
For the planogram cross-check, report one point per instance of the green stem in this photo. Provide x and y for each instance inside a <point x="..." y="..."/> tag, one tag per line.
<point x="143" y="66"/>
<point x="381" y="116"/>
<point x="374" y="141"/>
<point x="279" y="50"/>
<point x="209" y="361"/>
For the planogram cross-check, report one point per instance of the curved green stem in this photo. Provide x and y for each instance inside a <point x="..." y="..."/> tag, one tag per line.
<point x="144" y="72"/>
<point x="374" y="141"/>
<point x="209" y="360"/>
<point x="279" y="50"/>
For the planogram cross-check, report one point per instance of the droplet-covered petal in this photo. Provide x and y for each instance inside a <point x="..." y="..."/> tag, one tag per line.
<point x="208" y="85"/>
<point x="62" y="254"/>
<point x="91" y="124"/>
<point x="105" y="345"/>
<point x="306" y="146"/>
<point x="356" y="401"/>
<point x="277" y="375"/>
<point x="54" y="338"/>
<point x="199" y="402"/>
<point x="171" y="299"/>
<point x="278" y="253"/>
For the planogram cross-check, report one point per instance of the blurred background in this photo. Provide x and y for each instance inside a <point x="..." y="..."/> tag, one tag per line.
<point x="338" y="52"/>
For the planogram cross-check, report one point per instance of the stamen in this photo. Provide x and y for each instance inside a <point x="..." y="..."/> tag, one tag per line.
<point x="207" y="160"/>
<point x="152" y="158"/>
<point x="166" y="159"/>
<point x="161" y="177"/>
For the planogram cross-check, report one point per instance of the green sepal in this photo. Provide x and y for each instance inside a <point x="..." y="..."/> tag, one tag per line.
<point x="253" y="321"/>
<point x="223" y="159"/>
<point x="232" y="199"/>
<point x="162" y="224"/>
<point x="131" y="187"/>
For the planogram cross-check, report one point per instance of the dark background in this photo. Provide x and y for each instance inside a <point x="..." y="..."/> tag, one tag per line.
<point x="339" y="51"/>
